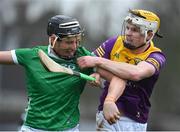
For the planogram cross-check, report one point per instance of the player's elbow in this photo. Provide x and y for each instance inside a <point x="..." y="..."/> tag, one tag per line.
<point x="136" y="75"/>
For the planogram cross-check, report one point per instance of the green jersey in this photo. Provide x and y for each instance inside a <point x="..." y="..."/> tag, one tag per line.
<point x="53" y="97"/>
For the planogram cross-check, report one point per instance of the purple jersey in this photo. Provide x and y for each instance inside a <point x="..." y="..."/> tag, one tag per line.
<point x="134" y="102"/>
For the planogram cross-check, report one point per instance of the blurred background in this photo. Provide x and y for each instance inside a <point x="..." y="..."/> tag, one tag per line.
<point x="23" y="24"/>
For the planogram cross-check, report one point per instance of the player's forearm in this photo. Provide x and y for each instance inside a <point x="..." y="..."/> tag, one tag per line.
<point x="116" y="89"/>
<point x="105" y="74"/>
<point x="110" y="110"/>
<point x="116" y="86"/>
<point x="6" y="57"/>
<point x="122" y="70"/>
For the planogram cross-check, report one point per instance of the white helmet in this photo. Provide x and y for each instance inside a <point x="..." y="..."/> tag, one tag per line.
<point x="146" y="20"/>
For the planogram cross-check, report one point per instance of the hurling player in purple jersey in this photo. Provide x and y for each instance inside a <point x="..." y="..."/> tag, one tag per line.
<point x="136" y="62"/>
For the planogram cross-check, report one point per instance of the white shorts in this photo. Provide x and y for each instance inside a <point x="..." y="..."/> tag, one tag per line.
<point x="123" y="124"/>
<point x="30" y="129"/>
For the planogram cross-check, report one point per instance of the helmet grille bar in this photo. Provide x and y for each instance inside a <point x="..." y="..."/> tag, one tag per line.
<point x="69" y="24"/>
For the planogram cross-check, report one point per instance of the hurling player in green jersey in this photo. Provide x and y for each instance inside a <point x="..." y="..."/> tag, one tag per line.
<point x="53" y="97"/>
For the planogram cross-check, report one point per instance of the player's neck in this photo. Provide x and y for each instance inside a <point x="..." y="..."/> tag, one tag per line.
<point x="141" y="50"/>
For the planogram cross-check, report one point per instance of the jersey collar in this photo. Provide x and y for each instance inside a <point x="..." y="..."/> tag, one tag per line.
<point x="51" y="53"/>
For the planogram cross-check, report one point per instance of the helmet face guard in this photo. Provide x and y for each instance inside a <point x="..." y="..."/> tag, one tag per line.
<point x="145" y="20"/>
<point x="143" y="24"/>
<point x="70" y="29"/>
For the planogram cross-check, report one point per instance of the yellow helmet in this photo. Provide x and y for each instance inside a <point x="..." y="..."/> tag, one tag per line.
<point x="146" y="20"/>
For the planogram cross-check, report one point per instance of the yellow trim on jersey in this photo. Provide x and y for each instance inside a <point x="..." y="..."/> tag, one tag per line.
<point x="154" y="62"/>
<point x="100" y="51"/>
<point x="100" y="48"/>
<point x="122" y="54"/>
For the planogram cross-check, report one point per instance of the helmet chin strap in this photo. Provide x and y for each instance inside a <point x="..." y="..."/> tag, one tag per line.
<point x="149" y="39"/>
<point x="54" y="42"/>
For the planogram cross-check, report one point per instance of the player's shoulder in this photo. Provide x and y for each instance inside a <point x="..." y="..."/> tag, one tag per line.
<point x="159" y="55"/>
<point x="111" y="40"/>
<point x="42" y="47"/>
<point x="156" y="52"/>
<point x="109" y="43"/>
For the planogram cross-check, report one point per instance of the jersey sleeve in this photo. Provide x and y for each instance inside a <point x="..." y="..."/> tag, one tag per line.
<point x="105" y="48"/>
<point x="14" y="57"/>
<point x="157" y="59"/>
<point x="23" y="56"/>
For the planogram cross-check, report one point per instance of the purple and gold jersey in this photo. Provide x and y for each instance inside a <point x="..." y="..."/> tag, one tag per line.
<point x="134" y="102"/>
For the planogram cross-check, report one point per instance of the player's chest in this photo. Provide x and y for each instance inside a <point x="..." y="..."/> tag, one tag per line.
<point x="127" y="57"/>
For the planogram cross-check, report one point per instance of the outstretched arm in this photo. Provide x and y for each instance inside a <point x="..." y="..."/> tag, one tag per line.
<point x="6" y="57"/>
<point x="121" y="69"/>
<point x="128" y="71"/>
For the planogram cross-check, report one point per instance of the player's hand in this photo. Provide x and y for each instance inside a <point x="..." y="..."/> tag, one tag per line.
<point x="97" y="82"/>
<point x="87" y="61"/>
<point x="111" y="112"/>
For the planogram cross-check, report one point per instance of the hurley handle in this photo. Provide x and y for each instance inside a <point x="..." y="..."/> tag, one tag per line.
<point x="84" y="76"/>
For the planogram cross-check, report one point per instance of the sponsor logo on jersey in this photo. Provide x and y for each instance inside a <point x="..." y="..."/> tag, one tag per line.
<point x="71" y="66"/>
